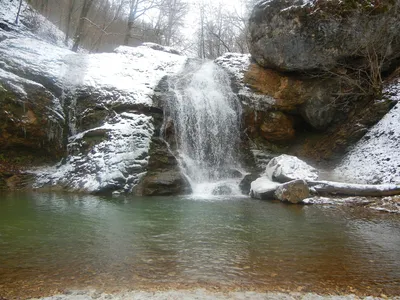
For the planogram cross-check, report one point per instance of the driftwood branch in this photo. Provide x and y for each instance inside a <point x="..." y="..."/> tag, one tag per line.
<point x="353" y="189"/>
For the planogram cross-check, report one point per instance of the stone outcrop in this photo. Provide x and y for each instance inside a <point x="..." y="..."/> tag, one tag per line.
<point x="299" y="35"/>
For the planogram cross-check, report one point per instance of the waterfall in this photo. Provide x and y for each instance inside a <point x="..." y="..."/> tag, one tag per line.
<point x="206" y="117"/>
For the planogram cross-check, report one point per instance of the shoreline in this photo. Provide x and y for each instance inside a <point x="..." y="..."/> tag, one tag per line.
<point x="200" y="294"/>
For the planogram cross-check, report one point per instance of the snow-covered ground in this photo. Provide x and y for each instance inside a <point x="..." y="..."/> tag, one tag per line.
<point x="125" y="78"/>
<point x="31" y="23"/>
<point x="376" y="157"/>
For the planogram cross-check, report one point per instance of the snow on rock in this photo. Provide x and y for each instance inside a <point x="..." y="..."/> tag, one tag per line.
<point x="337" y="201"/>
<point x="161" y="48"/>
<point x="386" y="204"/>
<point x="114" y="164"/>
<point x="263" y="188"/>
<point x="31" y="23"/>
<point x="285" y="168"/>
<point x="127" y="76"/>
<point x="376" y="157"/>
<point x="237" y="65"/>
<point x="106" y="98"/>
<point x="133" y="72"/>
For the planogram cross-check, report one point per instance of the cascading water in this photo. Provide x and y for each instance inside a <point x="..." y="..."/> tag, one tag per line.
<point x="206" y="116"/>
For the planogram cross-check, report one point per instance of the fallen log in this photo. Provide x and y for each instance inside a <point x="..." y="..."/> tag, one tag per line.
<point x="353" y="189"/>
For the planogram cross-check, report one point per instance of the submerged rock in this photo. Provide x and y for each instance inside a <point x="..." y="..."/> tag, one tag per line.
<point x="293" y="191"/>
<point x="285" y="168"/>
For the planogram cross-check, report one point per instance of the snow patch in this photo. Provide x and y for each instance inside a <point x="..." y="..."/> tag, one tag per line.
<point x="285" y="168"/>
<point x="376" y="157"/>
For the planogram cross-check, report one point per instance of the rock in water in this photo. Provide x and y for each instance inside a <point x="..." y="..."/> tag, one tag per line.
<point x="285" y="168"/>
<point x="245" y="183"/>
<point x="294" y="191"/>
<point x="222" y="190"/>
<point x="302" y="35"/>
<point x="263" y="188"/>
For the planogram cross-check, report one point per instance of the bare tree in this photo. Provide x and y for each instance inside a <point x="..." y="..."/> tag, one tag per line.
<point x="137" y="8"/>
<point x="70" y="11"/>
<point x="19" y="12"/>
<point x="80" y="28"/>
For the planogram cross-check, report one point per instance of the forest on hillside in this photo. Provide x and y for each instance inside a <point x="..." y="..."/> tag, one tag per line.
<point x="206" y="29"/>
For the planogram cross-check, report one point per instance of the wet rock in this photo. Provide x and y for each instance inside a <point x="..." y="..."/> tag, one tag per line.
<point x="293" y="191"/>
<point x="32" y="125"/>
<point x="286" y="168"/>
<point x="170" y="182"/>
<point x="245" y="183"/>
<point x="263" y="188"/>
<point x="163" y="175"/>
<point x="307" y="35"/>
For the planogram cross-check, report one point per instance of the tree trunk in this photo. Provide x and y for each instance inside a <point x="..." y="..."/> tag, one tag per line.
<point x="69" y="18"/>
<point x="352" y="189"/>
<point x="80" y="29"/>
<point x="19" y="11"/>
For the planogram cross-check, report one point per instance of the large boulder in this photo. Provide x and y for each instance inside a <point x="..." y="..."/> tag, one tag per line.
<point x="263" y="188"/>
<point x="284" y="168"/>
<point x="293" y="191"/>
<point x="303" y="35"/>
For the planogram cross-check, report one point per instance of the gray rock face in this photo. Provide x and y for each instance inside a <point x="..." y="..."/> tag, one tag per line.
<point x="294" y="191"/>
<point x="284" y="168"/>
<point x="300" y="35"/>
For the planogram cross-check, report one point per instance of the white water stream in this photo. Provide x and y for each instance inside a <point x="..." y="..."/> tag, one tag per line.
<point x="206" y="116"/>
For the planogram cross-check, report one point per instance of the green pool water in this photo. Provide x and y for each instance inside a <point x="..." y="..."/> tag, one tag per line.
<point x="52" y="242"/>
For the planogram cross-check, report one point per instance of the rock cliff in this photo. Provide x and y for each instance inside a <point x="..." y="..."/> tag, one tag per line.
<point x="93" y="110"/>
<point x="309" y="35"/>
